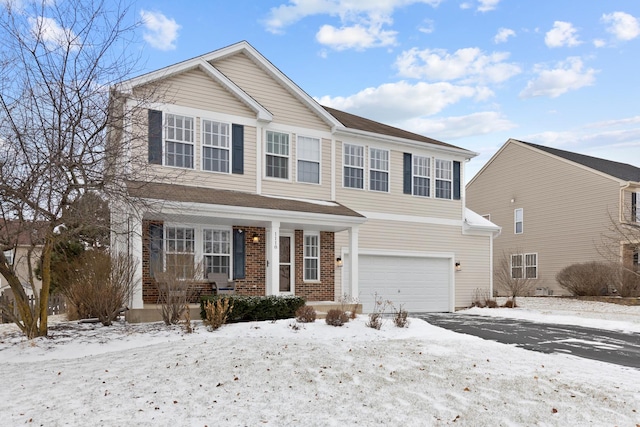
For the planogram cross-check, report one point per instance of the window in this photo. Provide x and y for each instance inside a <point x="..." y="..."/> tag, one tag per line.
<point x="518" y="221"/>
<point x="524" y="266"/>
<point x="9" y="256"/>
<point x="353" y="166"/>
<point x="308" y="160"/>
<point x="421" y="176"/>
<point x="311" y="257"/>
<point x="444" y="178"/>
<point x="378" y="170"/>
<point x="277" y="155"/>
<point x="179" y="141"/>
<point x="216" y="250"/>
<point x="180" y="245"/>
<point x="215" y="146"/>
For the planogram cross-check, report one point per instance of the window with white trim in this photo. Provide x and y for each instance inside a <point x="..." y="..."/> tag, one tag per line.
<point x="180" y="251"/>
<point x="277" y="155"/>
<point x="215" y="146"/>
<point x="524" y="266"/>
<point x="421" y="176"/>
<point x="444" y="179"/>
<point x="311" y="254"/>
<point x="378" y="170"/>
<point x="353" y="166"/>
<point x="518" y="220"/>
<point x="308" y="159"/>
<point x="216" y="251"/>
<point x="9" y="256"/>
<point x="179" y="138"/>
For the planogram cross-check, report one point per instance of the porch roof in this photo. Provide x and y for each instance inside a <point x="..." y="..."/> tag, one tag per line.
<point x="280" y="206"/>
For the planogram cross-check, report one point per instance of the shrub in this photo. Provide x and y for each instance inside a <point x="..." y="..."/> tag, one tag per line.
<point x="586" y="279"/>
<point x="336" y="317"/>
<point x="627" y="282"/>
<point x="250" y="309"/>
<point x="481" y="299"/>
<point x="509" y="304"/>
<point x="375" y="320"/>
<point x="174" y="294"/>
<point x="217" y="313"/>
<point x="491" y="303"/>
<point x="349" y="304"/>
<point x="306" y="314"/>
<point x="375" y="317"/>
<point x="400" y="318"/>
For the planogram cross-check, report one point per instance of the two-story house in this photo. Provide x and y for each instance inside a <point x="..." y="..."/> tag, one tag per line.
<point x="555" y="207"/>
<point x="244" y="172"/>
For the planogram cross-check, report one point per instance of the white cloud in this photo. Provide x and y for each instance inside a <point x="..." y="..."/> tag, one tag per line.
<point x="488" y="5"/>
<point x="467" y="65"/>
<point x="161" y="32"/>
<point x="503" y="35"/>
<point x="428" y="27"/>
<point x="622" y="25"/>
<point x="52" y="34"/>
<point x="599" y="43"/>
<point x="562" y="34"/>
<point x="394" y="102"/>
<point x="567" y="75"/>
<point x="362" y="21"/>
<point x="449" y="128"/>
<point x="355" y="37"/>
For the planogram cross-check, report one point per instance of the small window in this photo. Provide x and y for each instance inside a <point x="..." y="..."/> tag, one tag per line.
<point x="216" y="251"/>
<point x="353" y="166"/>
<point x="422" y="176"/>
<point x="215" y="146"/>
<point x="180" y="245"/>
<point x="179" y="141"/>
<point x="519" y="221"/>
<point x="444" y="179"/>
<point x="308" y="160"/>
<point x="311" y="257"/>
<point x="9" y="256"/>
<point x="378" y="170"/>
<point x="277" y="155"/>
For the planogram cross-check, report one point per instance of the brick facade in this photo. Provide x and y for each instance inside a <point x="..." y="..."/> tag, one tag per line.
<point x="325" y="289"/>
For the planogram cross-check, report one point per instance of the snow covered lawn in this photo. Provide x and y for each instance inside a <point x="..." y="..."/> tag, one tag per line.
<point x="272" y="374"/>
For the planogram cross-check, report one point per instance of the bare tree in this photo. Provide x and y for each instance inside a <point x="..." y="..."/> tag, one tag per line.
<point x="58" y="62"/>
<point x="511" y="275"/>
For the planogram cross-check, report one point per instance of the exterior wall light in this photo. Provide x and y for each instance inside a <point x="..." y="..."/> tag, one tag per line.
<point x="256" y="238"/>
<point x="458" y="266"/>
<point x="338" y="262"/>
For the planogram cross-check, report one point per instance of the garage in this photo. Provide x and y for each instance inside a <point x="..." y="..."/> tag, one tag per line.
<point x="419" y="283"/>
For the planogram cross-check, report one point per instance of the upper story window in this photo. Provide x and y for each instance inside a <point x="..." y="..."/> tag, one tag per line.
<point x="378" y="170"/>
<point x="216" y="249"/>
<point x="215" y="146"/>
<point x="518" y="218"/>
<point x="179" y="252"/>
<point x="311" y="257"/>
<point x="277" y="155"/>
<point x="444" y="178"/>
<point x="179" y="138"/>
<point x="308" y="160"/>
<point x="422" y="176"/>
<point x="353" y="166"/>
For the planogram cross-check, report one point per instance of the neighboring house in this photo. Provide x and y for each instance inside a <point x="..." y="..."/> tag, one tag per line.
<point x="17" y="245"/>
<point x="555" y="208"/>
<point x="245" y="172"/>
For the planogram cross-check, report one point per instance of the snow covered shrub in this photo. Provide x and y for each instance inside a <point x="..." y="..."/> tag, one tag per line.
<point x="336" y="317"/>
<point x="400" y="317"/>
<point x="349" y="304"/>
<point x="375" y="317"/>
<point x="217" y="313"/>
<point x="586" y="279"/>
<point x="306" y="314"/>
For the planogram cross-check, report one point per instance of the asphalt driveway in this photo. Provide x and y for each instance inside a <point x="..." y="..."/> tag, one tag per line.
<point x="607" y="346"/>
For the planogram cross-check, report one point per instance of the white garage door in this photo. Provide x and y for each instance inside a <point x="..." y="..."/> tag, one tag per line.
<point x="420" y="284"/>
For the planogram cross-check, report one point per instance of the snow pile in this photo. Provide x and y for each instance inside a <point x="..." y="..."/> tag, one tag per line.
<point x="282" y="374"/>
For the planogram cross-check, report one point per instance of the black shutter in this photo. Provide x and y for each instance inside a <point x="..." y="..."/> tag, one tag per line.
<point x="406" y="175"/>
<point x="156" y="236"/>
<point x="155" y="137"/>
<point x="237" y="143"/>
<point x="238" y="254"/>
<point x="456" y="180"/>
<point x="634" y="206"/>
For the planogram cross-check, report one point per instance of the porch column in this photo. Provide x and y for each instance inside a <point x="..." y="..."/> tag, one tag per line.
<point x="134" y="236"/>
<point x="273" y="258"/>
<point x="353" y="261"/>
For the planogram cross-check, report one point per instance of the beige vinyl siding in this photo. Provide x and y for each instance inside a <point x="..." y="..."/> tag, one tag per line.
<point x="293" y="188"/>
<point x="566" y="208"/>
<point x="395" y="201"/>
<point x="286" y="109"/>
<point x="21" y="266"/>
<point x="472" y="252"/>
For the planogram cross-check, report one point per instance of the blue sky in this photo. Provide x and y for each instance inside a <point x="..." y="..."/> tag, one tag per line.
<point x="473" y="73"/>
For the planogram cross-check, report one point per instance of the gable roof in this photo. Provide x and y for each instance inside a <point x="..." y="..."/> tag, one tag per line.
<point x="352" y="121"/>
<point x="618" y="170"/>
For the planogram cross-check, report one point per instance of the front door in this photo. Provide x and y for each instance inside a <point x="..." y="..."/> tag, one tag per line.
<point x="286" y="264"/>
